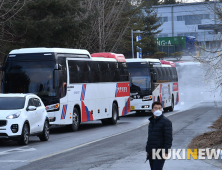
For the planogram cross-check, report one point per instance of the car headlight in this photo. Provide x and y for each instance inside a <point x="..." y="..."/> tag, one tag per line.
<point x="13" y="116"/>
<point x="145" y="98"/>
<point x="52" y="107"/>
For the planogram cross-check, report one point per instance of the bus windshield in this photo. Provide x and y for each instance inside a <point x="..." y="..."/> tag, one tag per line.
<point x="140" y="80"/>
<point x="29" y="77"/>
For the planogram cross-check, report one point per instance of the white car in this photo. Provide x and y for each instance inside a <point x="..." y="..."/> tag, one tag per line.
<point x="22" y="115"/>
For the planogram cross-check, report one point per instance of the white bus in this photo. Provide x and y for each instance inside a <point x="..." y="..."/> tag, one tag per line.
<point x="152" y="81"/>
<point x="74" y="87"/>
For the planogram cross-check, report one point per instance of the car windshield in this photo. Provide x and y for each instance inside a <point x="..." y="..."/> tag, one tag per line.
<point x="12" y="103"/>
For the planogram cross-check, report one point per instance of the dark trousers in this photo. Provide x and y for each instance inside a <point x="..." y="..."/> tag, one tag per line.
<point x="156" y="164"/>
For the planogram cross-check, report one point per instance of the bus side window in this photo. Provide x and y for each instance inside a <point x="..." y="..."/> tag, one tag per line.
<point x="125" y="72"/>
<point x="176" y="77"/>
<point x="112" y="70"/>
<point x="62" y="74"/>
<point x="158" y="74"/>
<point x="103" y="71"/>
<point x="117" y="72"/>
<point x="83" y="71"/>
<point x="94" y="66"/>
<point x="171" y="74"/>
<point x="161" y="78"/>
<point x="73" y="71"/>
<point x="109" y="72"/>
<point x="163" y="69"/>
<point x="155" y="73"/>
<point x="98" y="69"/>
<point x="90" y="76"/>
<point x="168" y="74"/>
<point x="127" y="76"/>
<point x="121" y="72"/>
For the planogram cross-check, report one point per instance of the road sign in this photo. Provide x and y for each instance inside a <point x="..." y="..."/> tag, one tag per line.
<point x="139" y="54"/>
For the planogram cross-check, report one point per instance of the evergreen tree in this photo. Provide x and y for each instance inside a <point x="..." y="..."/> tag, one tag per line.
<point x="169" y="2"/>
<point x="151" y="25"/>
<point x="145" y="20"/>
<point x="51" y="23"/>
<point x="153" y="2"/>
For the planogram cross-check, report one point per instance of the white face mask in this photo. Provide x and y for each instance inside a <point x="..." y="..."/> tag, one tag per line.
<point x="157" y="113"/>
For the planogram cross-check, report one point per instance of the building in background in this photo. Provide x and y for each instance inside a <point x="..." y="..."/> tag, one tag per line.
<point x="197" y="20"/>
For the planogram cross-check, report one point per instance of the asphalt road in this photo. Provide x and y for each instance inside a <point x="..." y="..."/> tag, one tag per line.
<point x="96" y="146"/>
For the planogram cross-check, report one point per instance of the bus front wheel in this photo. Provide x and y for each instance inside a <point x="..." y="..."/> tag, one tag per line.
<point x="75" y="120"/>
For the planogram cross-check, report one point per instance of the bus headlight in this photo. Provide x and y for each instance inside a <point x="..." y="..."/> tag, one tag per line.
<point x="52" y="107"/>
<point x="146" y="98"/>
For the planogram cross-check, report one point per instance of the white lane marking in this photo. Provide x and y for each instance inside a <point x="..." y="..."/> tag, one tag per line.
<point x="13" y="161"/>
<point x="20" y="149"/>
<point x="66" y="150"/>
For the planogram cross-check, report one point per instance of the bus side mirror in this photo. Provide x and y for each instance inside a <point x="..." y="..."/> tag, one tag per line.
<point x="1" y="68"/>
<point x="58" y="67"/>
<point x="55" y="78"/>
<point x="130" y="79"/>
<point x="154" y="77"/>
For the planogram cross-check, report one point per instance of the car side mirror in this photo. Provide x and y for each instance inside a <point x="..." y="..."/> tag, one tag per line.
<point x="31" y="108"/>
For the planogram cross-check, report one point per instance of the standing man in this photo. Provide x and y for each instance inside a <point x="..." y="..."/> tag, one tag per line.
<point x="159" y="136"/>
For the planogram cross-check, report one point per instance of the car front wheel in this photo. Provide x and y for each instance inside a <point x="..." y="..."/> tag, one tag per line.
<point x="45" y="133"/>
<point x="25" y="135"/>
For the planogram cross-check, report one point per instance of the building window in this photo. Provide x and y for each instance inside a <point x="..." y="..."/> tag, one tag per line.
<point x="162" y="19"/>
<point x="193" y="19"/>
<point x="179" y="18"/>
<point x="206" y="16"/>
<point x="161" y="35"/>
<point x="188" y="34"/>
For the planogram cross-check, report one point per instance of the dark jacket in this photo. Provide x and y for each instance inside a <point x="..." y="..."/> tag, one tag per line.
<point x="159" y="134"/>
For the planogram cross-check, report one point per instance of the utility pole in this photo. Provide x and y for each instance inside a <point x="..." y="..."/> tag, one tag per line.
<point x="138" y="32"/>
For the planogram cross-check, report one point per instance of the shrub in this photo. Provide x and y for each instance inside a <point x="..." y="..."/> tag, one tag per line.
<point x="160" y="55"/>
<point x="177" y="55"/>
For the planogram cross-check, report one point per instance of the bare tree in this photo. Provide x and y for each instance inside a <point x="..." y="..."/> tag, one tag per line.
<point x="8" y="11"/>
<point x="108" y="26"/>
<point x="210" y="56"/>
